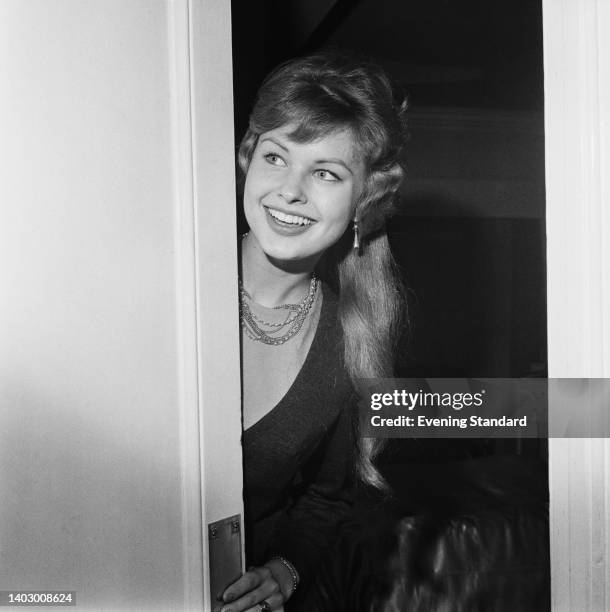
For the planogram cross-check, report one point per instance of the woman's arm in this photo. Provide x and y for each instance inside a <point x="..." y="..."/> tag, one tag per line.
<point x="308" y="526"/>
<point x="306" y="529"/>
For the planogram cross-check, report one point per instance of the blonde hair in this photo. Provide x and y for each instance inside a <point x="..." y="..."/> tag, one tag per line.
<point x="324" y="93"/>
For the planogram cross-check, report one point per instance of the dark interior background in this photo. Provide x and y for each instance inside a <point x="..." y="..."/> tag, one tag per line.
<point x="470" y="235"/>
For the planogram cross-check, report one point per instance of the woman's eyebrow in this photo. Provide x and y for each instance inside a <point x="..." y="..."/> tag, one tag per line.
<point x="334" y="160"/>
<point x="275" y="142"/>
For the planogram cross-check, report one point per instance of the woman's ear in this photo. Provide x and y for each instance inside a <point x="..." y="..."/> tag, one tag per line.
<point x="364" y="209"/>
<point x="377" y="201"/>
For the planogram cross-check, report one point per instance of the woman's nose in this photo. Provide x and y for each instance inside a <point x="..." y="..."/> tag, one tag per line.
<point x="292" y="189"/>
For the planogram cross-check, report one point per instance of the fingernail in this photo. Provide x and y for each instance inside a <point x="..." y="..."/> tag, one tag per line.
<point x="228" y="596"/>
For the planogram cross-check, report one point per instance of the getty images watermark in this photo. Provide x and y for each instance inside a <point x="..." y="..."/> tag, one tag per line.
<point x="484" y="408"/>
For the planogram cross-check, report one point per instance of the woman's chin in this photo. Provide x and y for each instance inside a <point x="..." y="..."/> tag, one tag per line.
<point x="294" y="251"/>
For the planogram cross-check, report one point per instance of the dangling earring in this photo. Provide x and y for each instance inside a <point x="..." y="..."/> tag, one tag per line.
<point x="356" y="236"/>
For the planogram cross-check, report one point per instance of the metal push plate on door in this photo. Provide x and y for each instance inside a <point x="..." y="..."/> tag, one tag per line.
<point x="224" y="539"/>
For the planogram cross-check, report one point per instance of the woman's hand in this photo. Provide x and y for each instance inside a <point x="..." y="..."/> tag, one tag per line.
<point x="271" y="583"/>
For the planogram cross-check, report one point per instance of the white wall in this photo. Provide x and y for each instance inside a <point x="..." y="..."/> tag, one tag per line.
<point x="577" y="107"/>
<point x="107" y="380"/>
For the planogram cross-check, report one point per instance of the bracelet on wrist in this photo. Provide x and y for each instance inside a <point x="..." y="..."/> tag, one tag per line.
<point x="291" y="568"/>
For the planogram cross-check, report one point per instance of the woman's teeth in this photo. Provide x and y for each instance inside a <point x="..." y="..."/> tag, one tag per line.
<point x="290" y="219"/>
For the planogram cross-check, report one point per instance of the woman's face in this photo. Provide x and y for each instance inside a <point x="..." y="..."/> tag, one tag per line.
<point x="299" y="198"/>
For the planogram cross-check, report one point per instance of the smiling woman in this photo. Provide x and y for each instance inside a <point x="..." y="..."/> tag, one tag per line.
<point x="320" y="307"/>
<point x="299" y="198"/>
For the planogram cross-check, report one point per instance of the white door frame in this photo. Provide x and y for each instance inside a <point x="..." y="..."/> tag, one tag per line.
<point x="204" y="165"/>
<point x="577" y="122"/>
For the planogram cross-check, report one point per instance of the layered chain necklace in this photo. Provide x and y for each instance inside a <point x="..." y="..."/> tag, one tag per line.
<point x="263" y="331"/>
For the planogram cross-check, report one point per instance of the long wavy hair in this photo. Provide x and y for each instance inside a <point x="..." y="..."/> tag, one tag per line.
<point x="320" y="94"/>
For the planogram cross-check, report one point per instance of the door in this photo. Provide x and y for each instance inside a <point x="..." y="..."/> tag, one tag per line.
<point x="119" y="377"/>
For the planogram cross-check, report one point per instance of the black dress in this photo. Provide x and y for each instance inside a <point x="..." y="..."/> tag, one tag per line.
<point x="299" y="460"/>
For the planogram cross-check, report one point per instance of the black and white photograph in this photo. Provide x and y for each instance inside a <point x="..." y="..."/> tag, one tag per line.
<point x="305" y="305"/>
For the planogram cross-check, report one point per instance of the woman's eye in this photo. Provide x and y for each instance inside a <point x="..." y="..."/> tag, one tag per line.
<point x="327" y="175"/>
<point x="274" y="159"/>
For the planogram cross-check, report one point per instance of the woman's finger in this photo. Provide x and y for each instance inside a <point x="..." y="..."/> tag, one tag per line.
<point x="269" y="590"/>
<point x="248" y="582"/>
<point x="275" y="603"/>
